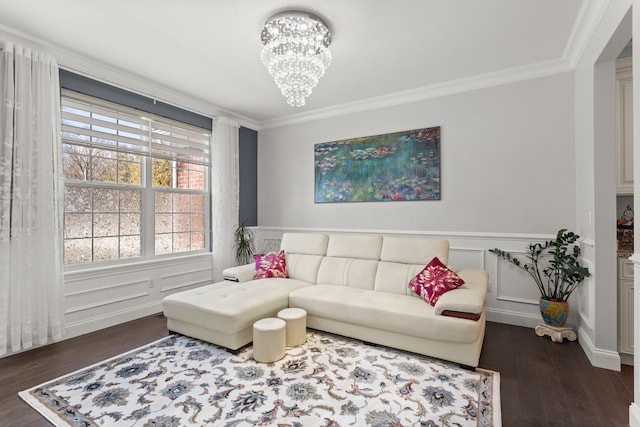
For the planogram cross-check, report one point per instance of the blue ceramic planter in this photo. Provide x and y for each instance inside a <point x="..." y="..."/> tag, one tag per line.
<point x="554" y="313"/>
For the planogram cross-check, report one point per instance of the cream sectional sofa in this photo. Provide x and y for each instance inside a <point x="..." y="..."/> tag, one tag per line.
<point x="354" y="285"/>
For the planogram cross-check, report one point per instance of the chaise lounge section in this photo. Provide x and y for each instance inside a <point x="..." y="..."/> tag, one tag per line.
<point x="352" y="285"/>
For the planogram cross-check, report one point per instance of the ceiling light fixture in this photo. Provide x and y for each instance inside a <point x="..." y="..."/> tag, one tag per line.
<point x="296" y="53"/>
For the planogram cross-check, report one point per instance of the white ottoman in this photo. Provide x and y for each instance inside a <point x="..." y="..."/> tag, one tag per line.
<point x="269" y="339"/>
<point x="296" y="319"/>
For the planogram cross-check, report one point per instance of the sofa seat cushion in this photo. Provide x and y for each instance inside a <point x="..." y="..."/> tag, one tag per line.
<point x="229" y="306"/>
<point x="402" y="314"/>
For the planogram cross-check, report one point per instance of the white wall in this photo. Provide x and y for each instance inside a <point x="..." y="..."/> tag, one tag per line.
<point x="507" y="153"/>
<point x="595" y="184"/>
<point x="508" y="178"/>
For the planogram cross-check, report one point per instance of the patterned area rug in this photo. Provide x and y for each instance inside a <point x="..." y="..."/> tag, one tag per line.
<point x="328" y="381"/>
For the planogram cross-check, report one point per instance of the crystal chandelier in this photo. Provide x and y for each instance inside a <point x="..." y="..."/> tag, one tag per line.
<point x="296" y="53"/>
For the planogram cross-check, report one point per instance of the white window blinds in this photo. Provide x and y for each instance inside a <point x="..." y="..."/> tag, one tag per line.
<point x="100" y="124"/>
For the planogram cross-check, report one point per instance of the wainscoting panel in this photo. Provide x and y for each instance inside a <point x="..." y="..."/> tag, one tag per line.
<point x="176" y="281"/>
<point x="106" y="296"/>
<point x="515" y="285"/>
<point x="460" y="257"/>
<point x="512" y="297"/>
<point x="585" y="298"/>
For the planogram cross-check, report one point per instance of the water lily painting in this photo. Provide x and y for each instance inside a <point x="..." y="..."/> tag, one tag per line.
<point x="391" y="167"/>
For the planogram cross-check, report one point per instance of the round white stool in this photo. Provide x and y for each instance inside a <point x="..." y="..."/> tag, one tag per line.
<point x="269" y="339"/>
<point x="296" y="319"/>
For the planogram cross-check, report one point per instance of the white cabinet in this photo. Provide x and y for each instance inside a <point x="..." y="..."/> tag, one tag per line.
<point x="625" y="307"/>
<point x="624" y="127"/>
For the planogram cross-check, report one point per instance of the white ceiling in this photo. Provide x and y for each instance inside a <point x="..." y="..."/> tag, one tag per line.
<point x="210" y="49"/>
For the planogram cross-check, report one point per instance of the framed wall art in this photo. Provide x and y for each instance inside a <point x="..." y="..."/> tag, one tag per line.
<point x="397" y="166"/>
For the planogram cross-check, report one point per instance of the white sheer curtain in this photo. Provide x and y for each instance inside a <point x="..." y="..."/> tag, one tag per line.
<point x="31" y="275"/>
<point x="224" y="193"/>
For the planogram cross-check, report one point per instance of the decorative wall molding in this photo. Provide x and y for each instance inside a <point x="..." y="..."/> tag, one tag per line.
<point x="106" y="302"/>
<point x="501" y="294"/>
<point x="588" y="243"/>
<point x="89" y="273"/>
<point x="598" y="357"/>
<point x="101" y="297"/>
<point x="277" y="231"/>
<point x="481" y="252"/>
<point x="112" y="318"/>
<point x="108" y="287"/>
<point x="105" y="73"/>
<point x="591" y="11"/>
<point x="528" y="301"/>
<point x="172" y="282"/>
<point x="511" y="317"/>
<point x="497" y="78"/>
<point x="587" y="308"/>
<point x="476" y="251"/>
<point x="590" y="14"/>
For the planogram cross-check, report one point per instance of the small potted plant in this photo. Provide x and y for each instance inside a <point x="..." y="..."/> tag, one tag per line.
<point x="555" y="268"/>
<point x="243" y="243"/>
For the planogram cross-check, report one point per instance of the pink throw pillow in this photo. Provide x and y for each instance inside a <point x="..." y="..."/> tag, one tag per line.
<point x="270" y="265"/>
<point x="434" y="280"/>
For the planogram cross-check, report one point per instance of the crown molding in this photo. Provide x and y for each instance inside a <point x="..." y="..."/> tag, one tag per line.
<point x="92" y="68"/>
<point x="590" y="14"/>
<point x="498" y="78"/>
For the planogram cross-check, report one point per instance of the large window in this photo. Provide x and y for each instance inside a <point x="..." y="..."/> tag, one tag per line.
<point x="136" y="185"/>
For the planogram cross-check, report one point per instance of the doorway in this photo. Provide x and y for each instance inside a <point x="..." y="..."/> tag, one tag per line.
<point x="624" y="203"/>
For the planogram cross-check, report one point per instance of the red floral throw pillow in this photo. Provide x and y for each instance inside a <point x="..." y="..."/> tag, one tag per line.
<point x="270" y="265"/>
<point x="434" y="280"/>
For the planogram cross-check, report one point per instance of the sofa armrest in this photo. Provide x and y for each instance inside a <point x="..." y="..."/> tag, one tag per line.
<point x="239" y="273"/>
<point x="468" y="298"/>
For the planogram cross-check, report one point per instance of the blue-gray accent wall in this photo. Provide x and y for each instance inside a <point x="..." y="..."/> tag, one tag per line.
<point x="88" y="86"/>
<point x="248" y="170"/>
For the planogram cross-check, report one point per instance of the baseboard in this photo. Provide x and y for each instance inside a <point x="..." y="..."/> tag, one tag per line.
<point x="599" y="358"/>
<point x="634" y="415"/>
<point x="112" y="319"/>
<point x="514" y="318"/>
<point x="626" y="359"/>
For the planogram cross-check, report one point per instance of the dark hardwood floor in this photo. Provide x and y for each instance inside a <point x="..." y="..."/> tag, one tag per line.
<point x="542" y="383"/>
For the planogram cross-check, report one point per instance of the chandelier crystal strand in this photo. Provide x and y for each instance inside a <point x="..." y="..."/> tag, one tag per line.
<point x="296" y="53"/>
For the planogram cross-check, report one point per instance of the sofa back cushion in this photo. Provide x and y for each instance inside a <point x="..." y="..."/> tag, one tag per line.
<point x="352" y="260"/>
<point x="352" y="272"/>
<point x="365" y="246"/>
<point x="304" y="252"/>
<point x="365" y="261"/>
<point x="414" y="250"/>
<point x="404" y="257"/>
<point x="394" y="277"/>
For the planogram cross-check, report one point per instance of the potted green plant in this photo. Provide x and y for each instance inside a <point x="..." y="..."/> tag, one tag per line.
<point x="243" y="243"/>
<point x="555" y="268"/>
